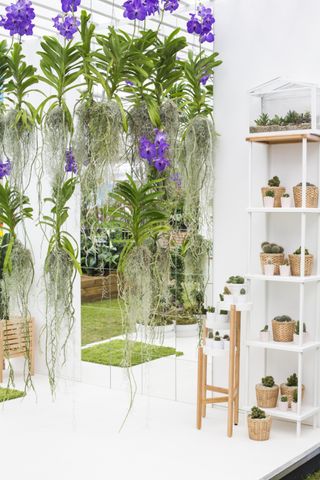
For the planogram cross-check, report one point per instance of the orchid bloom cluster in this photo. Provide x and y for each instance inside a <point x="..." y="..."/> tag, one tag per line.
<point x="155" y="153"/>
<point x="141" y="9"/>
<point x="67" y="25"/>
<point x="201" y="24"/>
<point x="71" y="164"/>
<point x="5" y="169"/>
<point x="18" y="19"/>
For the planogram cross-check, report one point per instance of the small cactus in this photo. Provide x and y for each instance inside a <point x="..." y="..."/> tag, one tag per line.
<point x="226" y="337"/>
<point x="226" y="291"/>
<point x="284" y="398"/>
<point x="283" y="318"/>
<point x="295" y="396"/>
<point x="210" y="309"/>
<point x="268" y="247"/>
<point x="267" y="381"/>
<point x="236" y="280"/>
<point x="297" y="328"/>
<point x="256" y="412"/>
<point x="210" y="334"/>
<point x="292" y="381"/>
<point x="274" y="182"/>
<point x="265" y="329"/>
<point x="263" y="120"/>
<point x="298" y="251"/>
<point x="270" y="193"/>
<point x="286" y="195"/>
<point x="217" y="337"/>
<point x="242" y="291"/>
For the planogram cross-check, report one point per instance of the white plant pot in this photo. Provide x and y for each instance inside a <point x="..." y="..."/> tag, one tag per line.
<point x="285" y="270"/>
<point x="264" y="336"/>
<point x="294" y="407"/>
<point x="229" y="300"/>
<point x="283" y="406"/>
<point x="242" y="299"/>
<point x="268" y="270"/>
<point x="297" y="337"/>
<point x="217" y="345"/>
<point x="235" y="288"/>
<point x="226" y="344"/>
<point x="209" y="342"/>
<point x="268" y="202"/>
<point x="210" y="318"/>
<point x="158" y="333"/>
<point x="285" y="202"/>
<point x="187" y="330"/>
<point x="221" y="322"/>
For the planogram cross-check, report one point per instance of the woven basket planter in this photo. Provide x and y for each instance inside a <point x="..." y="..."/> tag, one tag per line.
<point x="312" y="196"/>
<point x="278" y="192"/>
<point x="276" y="259"/>
<point x="283" y="331"/>
<point x="259" y="428"/>
<point x="295" y="261"/>
<point x="289" y="391"/>
<point x="267" y="397"/>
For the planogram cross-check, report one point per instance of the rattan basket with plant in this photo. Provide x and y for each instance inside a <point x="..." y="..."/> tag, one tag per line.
<point x="312" y="195"/>
<point x="274" y="186"/>
<point x="271" y="254"/>
<point x="267" y="393"/>
<point x="295" y="263"/>
<point x="290" y="387"/>
<point x="283" y="328"/>
<point x="259" y="425"/>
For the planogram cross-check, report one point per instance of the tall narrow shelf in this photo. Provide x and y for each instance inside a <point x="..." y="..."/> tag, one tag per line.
<point x="313" y="345"/>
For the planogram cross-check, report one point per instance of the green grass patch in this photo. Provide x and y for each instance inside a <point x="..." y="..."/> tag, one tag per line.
<point x="10" y="394"/>
<point x="314" y="476"/>
<point x="112" y="353"/>
<point x="100" y="321"/>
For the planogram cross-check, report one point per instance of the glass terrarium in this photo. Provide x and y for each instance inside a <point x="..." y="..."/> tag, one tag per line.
<point x="281" y="105"/>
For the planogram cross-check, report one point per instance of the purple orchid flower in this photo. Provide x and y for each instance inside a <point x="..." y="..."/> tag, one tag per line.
<point x="66" y="25"/>
<point x="71" y="164"/>
<point x="147" y="149"/>
<point x="18" y="19"/>
<point x="70" y="5"/>
<point x="202" y="24"/>
<point x="5" y="169"/>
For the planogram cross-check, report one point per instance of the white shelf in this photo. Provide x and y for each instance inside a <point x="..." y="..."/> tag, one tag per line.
<point x="306" y="412"/>
<point x="278" y="278"/>
<point x="240" y="307"/>
<point x="283" y="210"/>
<point x="285" y="136"/>
<point x="215" y="352"/>
<point x="284" y="346"/>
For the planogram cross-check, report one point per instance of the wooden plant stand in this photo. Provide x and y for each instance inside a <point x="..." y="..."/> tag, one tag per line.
<point x="230" y="394"/>
<point x="14" y="341"/>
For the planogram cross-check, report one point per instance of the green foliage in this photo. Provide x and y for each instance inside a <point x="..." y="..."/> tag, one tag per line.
<point x="274" y="182"/>
<point x="211" y="335"/>
<point x="295" y="396"/>
<point x="292" y="381"/>
<point x="298" y="251"/>
<point x="3" y="64"/>
<point x="263" y="120"/>
<point x="217" y="337"/>
<point x="271" y="248"/>
<point x="138" y="212"/>
<point x="10" y="394"/>
<point x="283" y="399"/>
<point x="98" y="254"/>
<point x="210" y="309"/>
<point x="291" y="118"/>
<point x="257" y="413"/>
<point x="267" y="381"/>
<point x="61" y="67"/>
<point x="242" y="291"/>
<point x="87" y="30"/>
<point x="226" y="338"/>
<point x="20" y="80"/>
<point x="283" y="318"/>
<point x="226" y="291"/>
<point x="270" y="193"/>
<point x="265" y="329"/>
<point x="297" y="328"/>
<point x="286" y="195"/>
<point x="308" y="184"/>
<point x="236" y="280"/>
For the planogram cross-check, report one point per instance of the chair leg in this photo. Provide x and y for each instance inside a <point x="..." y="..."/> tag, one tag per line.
<point x="204" y="382"/>
<point x="231" y="370"/>
<point x="200" y="388"/>
<point x="237" y="368"/>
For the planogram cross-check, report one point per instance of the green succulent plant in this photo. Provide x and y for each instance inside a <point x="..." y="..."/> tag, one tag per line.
<point x="243" y="291"/>
<point x="286" y="195"/>
<point x="217" y="337"/>
<point x="271" y="248"/>
<point x="283" y="318"/>
<point x="269" y="193"/>
<point x="297" y="328"/>
<point x="210" y="335"/>
<point x="257" y="413"/>
<point x="263" y="120"/>
<point x="236" y="280"/>
<point x="226" y="337"/>
<point x="284" y="399"/>
<point x="274" y="182"/>
<point x="210" y="309"/>
<point x="268" y="381"/>
<point x="292" y="381"/>
<point x="295" y="396"/>
<point x="265" y="329"/>
<point x="298" y="251"/>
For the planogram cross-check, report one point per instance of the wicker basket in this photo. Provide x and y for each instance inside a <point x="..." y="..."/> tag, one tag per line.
<point x="283" y="331"/>
<point x="289" y="391"/>
<point x="259" y="428"/>
<point x="312" y="194"/>
<point x="267" y="397"/>
<point x="276" y="259"/>
<point x="295" y="261"/>
<point x="278" y="192"/>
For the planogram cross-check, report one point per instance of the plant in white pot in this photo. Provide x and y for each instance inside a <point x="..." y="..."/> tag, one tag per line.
<point x="278" y="191"/>
<point x="285" y="269"/>
<point x="269" y="268"/>
<point x="268" y="199"/>
<point x="210" y="315"/>
<point x="267" y="392"/>
<point x="210" y="339"/>
<point x="222" y="320"/>
<point x="243" y="297"/>
<point x="283" y="404"/>
<point x="264" y="334"/>
<point x="235" y="284"/>
<point x="259" y="424"/>
<point x="294" y="403"/>
<point x="286" y="201"/>
<point x="296" y="335"/>
<point x="226" y="297"/>
<point x="217" y="342"/>
<point x="226" y="342"/>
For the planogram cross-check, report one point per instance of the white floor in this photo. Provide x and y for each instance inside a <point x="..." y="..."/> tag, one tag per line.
<point x="76" y="437"/>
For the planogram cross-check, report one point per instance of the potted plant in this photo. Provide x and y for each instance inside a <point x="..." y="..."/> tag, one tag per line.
<point x="285" y="200"/>
<point x="242" y="298"/>
<point x="222" y="320"/>
<point x="226" y="342"/>
<point x="295" y="262"/>
<point x="312" y="195"/>
<point x="210" y="315"/>
<point x="283" y="328"/>
<point x="283" y="404"/>
<point x="269" y="268"/>
<point x="210" y="339"/>
<point x="217" y="342"/>
<point x="235" y="284"/>
<point x="294" y="403"/>
<point x="226" y="297"/>
<point x="278" y="191"/>
<point x="268" y="199"/>
<point x="267" y="392"/>
<point x="271" y="253"/>
<point x="259" y="424"/>
<point x="264" y="334"/>
<point x="296" y="335"/>
<point x="285" y="269"/>
<point x="187" y="325"/>
<point x="290" y="387"/>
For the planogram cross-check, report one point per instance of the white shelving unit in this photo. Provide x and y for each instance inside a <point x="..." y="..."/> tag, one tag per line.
<point x="301" y="139"/>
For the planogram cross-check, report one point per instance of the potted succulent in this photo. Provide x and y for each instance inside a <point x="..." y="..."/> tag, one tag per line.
<point x="226" y="342"/>
<point x="187" y="325"/>
<point x="210" y="315"/>
<point x="210" y="339"/>
<point x="278" y="191"/>
<point x="269" y="268"/>
<point x="271" y="252"/>
<point x="217" y="342"/>
<point x="222" y="320"/>
<point x="295" y="262"/>
<point x="242" y="298"/>
<point x="267" y="392"/>
<point x="286" y="201"/>
<point x="235" y="284"/>
<point x="283" y="328"/>
<point x="285" y="269"/>
<point x="268" y="199"/>
<point x="264" y="334"/>
<point x="312" y="195"/>
<point x="226" y="297"/>
<point x="290" y="387"/>
<point x="294" y="403"/>
<point x="296" y="335"/>
<point x="259" y="424"/>
<point x="283" y="404"/>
